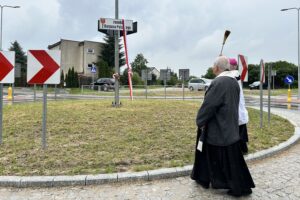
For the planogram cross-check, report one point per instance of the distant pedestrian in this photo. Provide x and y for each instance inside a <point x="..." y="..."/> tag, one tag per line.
<point x="218" y="158"/>
<point x="243" y="113"/>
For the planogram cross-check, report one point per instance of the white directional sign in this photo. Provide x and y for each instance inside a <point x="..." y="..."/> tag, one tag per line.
<point x="115" y="24"/>
<point x="7" y="63"/>
<point x="43" y="67"/>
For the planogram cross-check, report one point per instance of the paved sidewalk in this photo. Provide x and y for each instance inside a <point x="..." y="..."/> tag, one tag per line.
<point x="277" y="177"/>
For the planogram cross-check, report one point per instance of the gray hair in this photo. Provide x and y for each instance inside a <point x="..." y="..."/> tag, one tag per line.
<point x="222" y="63"/>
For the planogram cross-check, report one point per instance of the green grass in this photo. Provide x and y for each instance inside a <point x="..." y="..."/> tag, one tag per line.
<point x="90" y="137"/>
<point x="276" y="92"/>
<point x="157" y="91"/>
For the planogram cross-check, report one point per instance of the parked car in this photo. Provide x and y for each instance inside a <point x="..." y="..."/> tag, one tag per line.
<point x="256" y="84"/>
<point x="104" y="84"/>
<point x="199" y="84"/>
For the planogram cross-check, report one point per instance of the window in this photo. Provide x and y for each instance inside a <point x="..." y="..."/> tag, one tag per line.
<point x="89" y="50"/>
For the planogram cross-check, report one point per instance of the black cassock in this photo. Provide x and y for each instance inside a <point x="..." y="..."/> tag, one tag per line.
<point x="223" y="167"/>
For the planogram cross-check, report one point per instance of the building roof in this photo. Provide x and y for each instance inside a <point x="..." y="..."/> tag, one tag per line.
<point x="51" y="46"/>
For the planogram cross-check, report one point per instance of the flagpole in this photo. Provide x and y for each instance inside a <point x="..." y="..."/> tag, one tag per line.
<point x="126" y="58"/>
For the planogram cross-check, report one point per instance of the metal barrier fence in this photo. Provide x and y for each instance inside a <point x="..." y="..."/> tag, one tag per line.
<point x="142" y="91"/>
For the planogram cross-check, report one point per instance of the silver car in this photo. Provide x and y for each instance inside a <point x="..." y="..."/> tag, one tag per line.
<point x="196" y="84"/>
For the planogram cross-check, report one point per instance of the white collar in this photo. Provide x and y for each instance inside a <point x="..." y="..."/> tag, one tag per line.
<point x="231" y="74"/>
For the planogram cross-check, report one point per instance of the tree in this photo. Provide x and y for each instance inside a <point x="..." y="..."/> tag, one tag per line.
<point x="21" y="59"/>
<point x="282" y="68"/>
<point x="173" y="80"/>
<point x="139" y="63"/>
<point x="124" y="77"/>
<point x="104" y="70"/>
<point x="108" y="52"/>
<point x="209" y="74"/>
<point x="136" y="79"/>
<point x="72" y="78"/>
<point x="62" y="79"/>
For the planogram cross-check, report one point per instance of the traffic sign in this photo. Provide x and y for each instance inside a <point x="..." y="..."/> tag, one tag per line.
<point x="7" y="61"/>
<point x="165" y="74"/>
<point x="146" y="75"/>
<point x="93" y="69"/>
<point x="262" y="72"/>
<point x="289" y="79"/>
<point x="184" y="74"/>
<point x="115" y="24"/>
<point x="243" y="67"/>
<point x="43" y="67"/>
<point x="273" y="73"/>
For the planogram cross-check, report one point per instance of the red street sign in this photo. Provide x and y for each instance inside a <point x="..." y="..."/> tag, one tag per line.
<point x="7" y="60"/>
<point x="43" y="67"/>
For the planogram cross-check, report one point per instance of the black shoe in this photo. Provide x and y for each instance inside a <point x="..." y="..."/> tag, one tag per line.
<point x="204" y="184"/>
<point x="247" y="192"/>
<point x="239" y="194"/>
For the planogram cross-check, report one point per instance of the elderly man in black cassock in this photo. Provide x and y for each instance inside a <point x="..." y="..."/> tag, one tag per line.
<point x="218" y="157"/>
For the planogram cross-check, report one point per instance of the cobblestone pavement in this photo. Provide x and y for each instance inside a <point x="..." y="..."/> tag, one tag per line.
<point x="277" y="177"/>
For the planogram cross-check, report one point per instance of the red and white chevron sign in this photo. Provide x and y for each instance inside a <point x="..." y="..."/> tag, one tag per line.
<point x="43" y="67"/>
<point x="262" y="72"/>
<point x="243" y="67"/>
<point x="7" y="70"/>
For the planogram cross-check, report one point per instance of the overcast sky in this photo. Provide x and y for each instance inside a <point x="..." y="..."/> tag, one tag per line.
<point x="176" y="34"/>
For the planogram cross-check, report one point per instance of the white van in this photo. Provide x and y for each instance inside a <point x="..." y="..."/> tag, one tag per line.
<point x="196" y="84"/>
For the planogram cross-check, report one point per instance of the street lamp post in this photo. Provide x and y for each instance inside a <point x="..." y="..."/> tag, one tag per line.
<point x="4" y="6"/>
<point x="286" y="9"/>
<point x="1" y="85"/>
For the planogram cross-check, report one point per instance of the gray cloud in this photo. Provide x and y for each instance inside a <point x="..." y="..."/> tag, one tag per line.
<point x="176" y="34"/>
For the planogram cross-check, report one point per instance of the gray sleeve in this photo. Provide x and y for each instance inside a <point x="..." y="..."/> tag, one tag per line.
<point x="212" y="101"/>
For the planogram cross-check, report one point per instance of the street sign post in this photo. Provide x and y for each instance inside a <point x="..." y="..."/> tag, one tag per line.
<point x="262" y="81"/>
<point x="146" y="76"/>
<point x="289" y="80"/>
<point x="93" y="71"/>
<point x="43" y="67"/>
<point x="273" y="73"/>
<point x="165" y="75"/>
<point x="114" y="27"/>
<point x="184" y="74"/>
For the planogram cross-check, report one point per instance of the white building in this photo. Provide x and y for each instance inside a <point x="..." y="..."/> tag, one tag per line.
<point x="80" y="55"/>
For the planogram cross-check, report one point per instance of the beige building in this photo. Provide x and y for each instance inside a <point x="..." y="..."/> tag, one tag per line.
<point x="80" y="55"/>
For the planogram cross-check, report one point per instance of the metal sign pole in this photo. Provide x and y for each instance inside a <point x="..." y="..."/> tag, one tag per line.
<point x="34" y="92"/>
<point x="269" y="93"/>
<point x="273" y="82"/>
<point x="13" y="93"/>
<point x="93" y="85"/>
<point x="183" y="77"/>
<point x="117" y="33"/>
<point x="1" y="110"/>
<point x="55" y="91"/>
<point x="44" y="117"/>
<point x="165" y="83"/>
<point x="261" y="95"/>
<point x="146" y="81"/>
